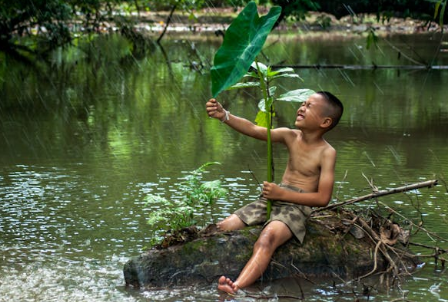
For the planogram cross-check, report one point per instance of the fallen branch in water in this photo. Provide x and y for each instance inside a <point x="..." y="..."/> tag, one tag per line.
<point x="359" y="67"/>
<point x="429" y="184"/>
<point x="437" y="253"/>
<point x="418" y="226"/>
<point x="438" y="250"/>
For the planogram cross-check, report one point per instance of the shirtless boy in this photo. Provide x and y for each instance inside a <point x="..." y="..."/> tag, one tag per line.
<point x="307" y="181"/>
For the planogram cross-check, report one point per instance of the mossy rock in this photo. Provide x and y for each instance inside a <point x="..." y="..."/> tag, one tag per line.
<point x="329" y="249"/>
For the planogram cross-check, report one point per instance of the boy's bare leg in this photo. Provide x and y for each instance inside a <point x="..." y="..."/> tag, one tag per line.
<point x="273" y="235"/>
<point x="231" y="223"/>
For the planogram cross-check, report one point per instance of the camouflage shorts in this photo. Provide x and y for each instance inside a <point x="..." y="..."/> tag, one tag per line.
<point x="293" y="215"/>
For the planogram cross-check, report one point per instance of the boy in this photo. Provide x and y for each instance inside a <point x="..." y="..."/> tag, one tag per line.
<point x="307" y="181"/>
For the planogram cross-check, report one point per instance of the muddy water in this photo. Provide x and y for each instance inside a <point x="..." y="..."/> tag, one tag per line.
<point x="84" y="140"/>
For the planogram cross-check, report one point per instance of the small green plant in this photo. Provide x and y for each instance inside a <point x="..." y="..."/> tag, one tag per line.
<point x="196" y="195"/>
<point x="324" y="21"/>
<point x="372" y="38"/>
<point x="439" y="10"/>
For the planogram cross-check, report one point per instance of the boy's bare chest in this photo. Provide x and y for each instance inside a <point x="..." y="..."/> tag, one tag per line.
<point x="304" y="159"/>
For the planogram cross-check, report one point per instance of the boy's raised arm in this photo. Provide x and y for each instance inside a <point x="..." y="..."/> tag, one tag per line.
<point x="244" y="126"/>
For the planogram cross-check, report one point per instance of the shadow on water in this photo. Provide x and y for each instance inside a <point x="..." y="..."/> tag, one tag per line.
<point x="84" y="139"/>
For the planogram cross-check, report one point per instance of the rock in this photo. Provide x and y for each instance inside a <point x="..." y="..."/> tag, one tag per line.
<point x="329" y="249"/>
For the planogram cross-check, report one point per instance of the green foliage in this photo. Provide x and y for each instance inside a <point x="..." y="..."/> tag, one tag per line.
<point x="243" y="41"/>
<point x="297" y="9"/>
<point x="439" y="10"/>
<point x="25" y="17"/>
<point x="49" y="24"/>
<point x="383" y="9"/>
<point x="265" y="76"/>
<point x="372" y="38"/>
<point x="324" y="21"/>
<point x="185" y="5"/>
<point x="298" y="95"/>
<point x="169" y="213"/>
<point x="196" y="195"/>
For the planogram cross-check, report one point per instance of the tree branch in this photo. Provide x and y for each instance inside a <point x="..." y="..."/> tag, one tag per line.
<point x="168" y="21"/>
<point x="429" y="184"/>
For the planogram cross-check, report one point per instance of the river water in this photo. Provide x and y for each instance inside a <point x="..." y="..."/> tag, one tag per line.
<point x="86" y="136"/>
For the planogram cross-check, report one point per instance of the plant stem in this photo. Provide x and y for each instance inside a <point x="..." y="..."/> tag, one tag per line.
<point x="269" y="163"/>
<point x="268" y="108"/>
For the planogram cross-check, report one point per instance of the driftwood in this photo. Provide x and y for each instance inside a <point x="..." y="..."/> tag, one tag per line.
<point x="339" y="243"/>
<point x="375" y="194"/>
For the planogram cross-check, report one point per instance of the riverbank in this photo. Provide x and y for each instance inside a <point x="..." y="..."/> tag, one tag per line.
<point x="212" y="20"/>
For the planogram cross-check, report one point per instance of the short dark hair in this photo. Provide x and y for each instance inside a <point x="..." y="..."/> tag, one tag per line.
<point x="336" y="108"/>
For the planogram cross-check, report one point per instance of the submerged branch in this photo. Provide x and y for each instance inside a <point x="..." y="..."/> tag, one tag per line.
<point x="403" y="54"/>
<point x="360" y="67"/>
<point x="439" y="250"/>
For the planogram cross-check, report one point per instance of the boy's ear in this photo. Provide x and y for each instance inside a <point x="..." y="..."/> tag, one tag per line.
<point x="326" y="122"/>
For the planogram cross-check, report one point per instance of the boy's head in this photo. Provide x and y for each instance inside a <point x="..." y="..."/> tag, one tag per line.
<point x="334" y="109"/>
<point x="321" y="109"/>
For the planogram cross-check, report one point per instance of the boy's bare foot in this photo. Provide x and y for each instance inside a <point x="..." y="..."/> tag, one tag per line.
<point x="226" y="285"/>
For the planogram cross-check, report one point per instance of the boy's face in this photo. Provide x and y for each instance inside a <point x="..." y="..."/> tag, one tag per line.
<point x="311" y="113"/>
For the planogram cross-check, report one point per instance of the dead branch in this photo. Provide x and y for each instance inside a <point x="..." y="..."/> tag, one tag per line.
<point x="375" y="261"/>
<point x="429" y="184"/>
<point x="439" y="250"/>
<point x="168" y="21"/>
<point x="361" y="67"/>
<point x="382" y="237"/>
<point x="410" y="221"/>
<point x="382" y="246"/>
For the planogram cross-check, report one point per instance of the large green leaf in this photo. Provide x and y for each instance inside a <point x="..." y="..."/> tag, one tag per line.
<point x="243" y="41"/>
<point x="244" y="85"/>
<point x="298" y="95"/>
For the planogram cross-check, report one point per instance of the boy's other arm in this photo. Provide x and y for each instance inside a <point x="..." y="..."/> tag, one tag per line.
<point x="321" y="198"/>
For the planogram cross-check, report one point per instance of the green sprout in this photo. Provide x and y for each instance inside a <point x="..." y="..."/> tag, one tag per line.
<point x="196" y="195"/>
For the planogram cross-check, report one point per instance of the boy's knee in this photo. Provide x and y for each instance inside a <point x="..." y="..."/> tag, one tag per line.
<point x="233" y="222"/>
<point x="265" y="241"/>
<point x="273" y="235"/>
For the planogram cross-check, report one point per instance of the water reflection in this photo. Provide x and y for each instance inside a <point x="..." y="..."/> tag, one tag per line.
<point x="84" y="140"/>
<point x="61" y="280"/>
